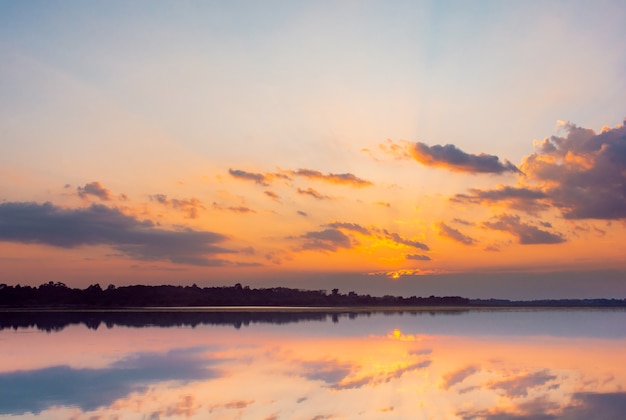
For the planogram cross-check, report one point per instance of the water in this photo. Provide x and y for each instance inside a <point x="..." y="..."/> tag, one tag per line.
<point x="480" y="364"/>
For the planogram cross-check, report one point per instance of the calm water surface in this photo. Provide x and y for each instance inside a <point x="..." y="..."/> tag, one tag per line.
<point x="480" y="364"/>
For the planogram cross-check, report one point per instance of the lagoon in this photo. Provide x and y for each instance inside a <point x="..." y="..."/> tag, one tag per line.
<point x="314" y="364"/>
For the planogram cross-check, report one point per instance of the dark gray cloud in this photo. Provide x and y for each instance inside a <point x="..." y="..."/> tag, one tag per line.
<point x="529" y="200"/>
<point x="592" y="405"/>
<point x="526" y="234"/>
<point x="48" y="224"/>
<point x="95" y="189"/>
<point x="583" y="406"/>
<point x="404" y="241"/>
<point x="341" y="179"/>
<point x="37" y="390"/>
<point x="418" y="257"/>
<point x="326" y="240"/>
<point x="454" y="159"/>
<point x="249" y="176"/>
<point x="350" y="226"/>
<point x="582" y="173"/>
<point x="313" y="193"/>
<point x="454" y="234"/>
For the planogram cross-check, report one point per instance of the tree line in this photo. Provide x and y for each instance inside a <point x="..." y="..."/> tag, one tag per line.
<point x="59" y="295"/>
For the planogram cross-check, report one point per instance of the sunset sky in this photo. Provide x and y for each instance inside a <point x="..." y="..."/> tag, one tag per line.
<point x="405" y="147"/>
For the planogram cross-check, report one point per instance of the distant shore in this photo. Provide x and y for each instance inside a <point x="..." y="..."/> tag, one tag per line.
<point x="59" y="297"/>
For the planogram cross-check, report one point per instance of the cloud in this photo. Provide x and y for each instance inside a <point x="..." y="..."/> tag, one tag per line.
<point x="234" y="209"/>
<point x="341" y="179"/>
<point x="518" y="387"/>
<point x="418" y="257"/>
<point x="189" y="206"/>
<point x="343" y="375"/>
<point x="326" y="240"/>
<point x="302" y="213"/>
<point x="526" y="234"/>
<point x="462" y="222"/>
<point x="231" y="405"/>
<point x="583" y="173"/>
<point x="403" y="241"/>
<point x="380" y="234"/>
<point x="272" y="195"/>
<point x="186" y="406"/>
<point x="48" y="224"/>
<point x="530" y="200"/>
<point x="591" y="405"/>
<point x="249" y="176"/>
<point x="349" y="226"/>
<point x="313" y="193"/>
<point x="458" y="376"/>
<point x="454" y="159"/>
<point x="454" y="234"/>
<point x="96" y="189"/>
<point x="37" y="390"/>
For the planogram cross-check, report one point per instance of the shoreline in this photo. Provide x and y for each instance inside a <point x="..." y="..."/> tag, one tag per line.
<point x="320" y="309"/>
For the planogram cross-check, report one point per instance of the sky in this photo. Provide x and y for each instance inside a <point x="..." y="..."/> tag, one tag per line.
<point x="405" y="148"/>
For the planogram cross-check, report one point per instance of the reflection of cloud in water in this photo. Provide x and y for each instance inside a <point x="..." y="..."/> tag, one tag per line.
<point x="518" y="387"/>
<point x="343" y="375"/>
<point x="36" y="390"/>
<point x="583" y="406"/>
<point x="458" y="376"/>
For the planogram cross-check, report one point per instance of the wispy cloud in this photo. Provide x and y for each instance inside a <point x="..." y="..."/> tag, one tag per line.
<point x="341" y="179"/>
<point x="454" y="234"/>
<point x="272" y="195"/>
<point x="529" y="200"/>
<point x="380" y="234"/>
<point x="458" y="376"/>
<point x="234" y="209"/>
<point x="418" y="257"/>
<point x="519" y="386"/>
<point x="527" y="234"/>
<point x="189" y="206"/>
<point x="314" y="193"/>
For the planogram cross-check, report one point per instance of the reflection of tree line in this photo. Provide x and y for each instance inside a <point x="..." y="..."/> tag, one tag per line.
<point x="58" y="320"/>
<point x="59" y="295"/>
